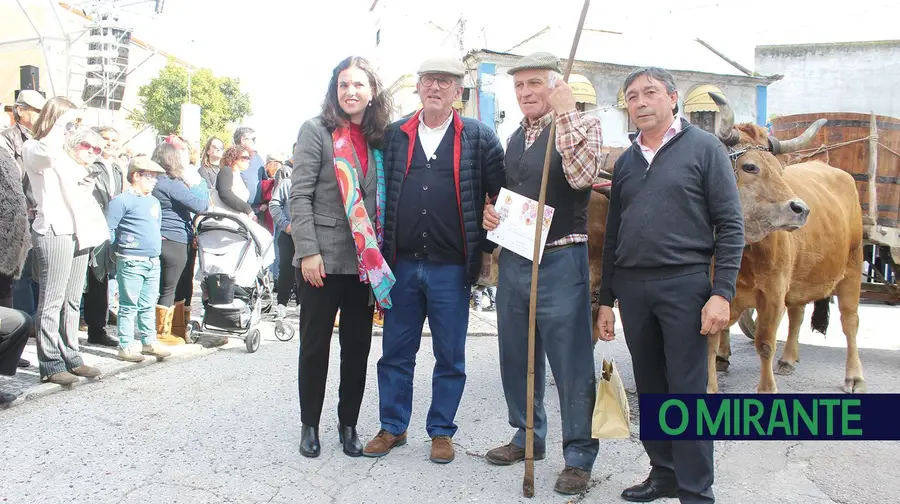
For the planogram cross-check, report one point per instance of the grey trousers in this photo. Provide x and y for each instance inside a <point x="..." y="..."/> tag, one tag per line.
<point x="661" y="317"/>
<point x="563" y="334"/>
<point x="61" y="273"/>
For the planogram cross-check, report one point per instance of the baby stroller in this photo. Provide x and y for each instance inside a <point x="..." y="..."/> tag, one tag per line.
<point x="234" y="270"/>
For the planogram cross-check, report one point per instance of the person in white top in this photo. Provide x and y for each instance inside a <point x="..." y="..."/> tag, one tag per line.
<point x="68" y="225"/>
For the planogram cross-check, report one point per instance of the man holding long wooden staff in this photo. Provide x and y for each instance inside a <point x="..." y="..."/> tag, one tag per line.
<point x="563" y="318"/>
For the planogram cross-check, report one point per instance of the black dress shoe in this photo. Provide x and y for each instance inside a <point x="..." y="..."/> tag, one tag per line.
<point x="24" y="363"/>
<point x="309" y="441"/>
<point x="347" y="436"/>
<point x="650" y="490"/>
<point x="99" y="337"/>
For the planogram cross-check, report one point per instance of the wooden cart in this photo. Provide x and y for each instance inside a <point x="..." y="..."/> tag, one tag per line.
<point x="868" y="148"/>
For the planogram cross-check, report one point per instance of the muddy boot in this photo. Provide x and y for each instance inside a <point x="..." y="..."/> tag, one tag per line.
<point x="164" y="326"/>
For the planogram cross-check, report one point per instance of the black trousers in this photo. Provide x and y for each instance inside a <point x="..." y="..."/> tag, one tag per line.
<point x="185" y="288"/>
<point x="318" y="307"/>
<point x="6" y="290"/>
<point x="96" y="303"/>
<point x="661" y="318"/>
<point x="15" y="327"/>
<point x="287" y="284"/>
<point x="171" y="261"/>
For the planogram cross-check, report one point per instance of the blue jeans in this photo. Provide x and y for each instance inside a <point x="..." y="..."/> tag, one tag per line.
<point x="438" y="291"/>
<point x="562" y="334"/>
<point x="138" y="281"/>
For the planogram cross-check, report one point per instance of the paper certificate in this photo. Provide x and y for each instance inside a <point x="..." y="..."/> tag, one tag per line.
<point x="518" y="216"/>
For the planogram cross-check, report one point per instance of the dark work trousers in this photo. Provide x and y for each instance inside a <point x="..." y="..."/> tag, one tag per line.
<point x="185" y="289"/>
<point x="15" y="327"/>
<point x="318" y="307"/>
<point x="96" y="304"/>
<point x="563" y="334"/>
<point x="172" y="261"/>
<point x="661" y="318"/>
<point x="6" y="291"/>
<point x="286" y="283"/>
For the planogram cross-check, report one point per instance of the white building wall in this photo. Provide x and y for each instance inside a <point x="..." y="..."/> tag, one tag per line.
<point x="845" y="77"/>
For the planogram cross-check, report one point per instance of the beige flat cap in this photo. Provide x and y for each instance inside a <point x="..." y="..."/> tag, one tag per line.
<point x="443" y="66"/>
<point x="144" y="164"/>
<point x="536" y="61"/>
<point x="31" y="98"/>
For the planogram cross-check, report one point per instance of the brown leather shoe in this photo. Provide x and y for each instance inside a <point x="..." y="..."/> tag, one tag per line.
<point x="86" y="371"/>
<point x="61" y="378"/>
<point x="572" y="481"/>
<point x="442" y="449"/>
<point x="510" y="454"/>
<point x="382" y="443"/>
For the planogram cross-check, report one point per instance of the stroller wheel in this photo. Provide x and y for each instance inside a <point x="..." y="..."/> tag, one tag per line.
<point x="252" y="341"/>
<point x="193" y="331"/>
<point x="283" y="331"/>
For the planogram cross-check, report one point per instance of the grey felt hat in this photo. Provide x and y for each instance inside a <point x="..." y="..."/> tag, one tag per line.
<point x="536" y="61"/>
<point x="442" y="66"/>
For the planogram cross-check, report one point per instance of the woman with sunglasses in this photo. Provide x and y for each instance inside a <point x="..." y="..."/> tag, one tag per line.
<point x="177" y="201"/>
<point x="210" y="160"/>
<point x="66" y="228"/>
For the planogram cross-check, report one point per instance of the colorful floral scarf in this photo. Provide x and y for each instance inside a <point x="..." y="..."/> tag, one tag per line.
<point x="372" y="267"/>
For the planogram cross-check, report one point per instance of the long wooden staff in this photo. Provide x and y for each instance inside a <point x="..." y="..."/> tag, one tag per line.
<point x="528" y="484"/>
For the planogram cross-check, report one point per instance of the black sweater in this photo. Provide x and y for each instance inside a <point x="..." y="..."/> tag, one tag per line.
<point x="671" y="218"/>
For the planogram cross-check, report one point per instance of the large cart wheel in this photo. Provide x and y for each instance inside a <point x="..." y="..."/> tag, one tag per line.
<point x="252" y="340"/>
<point x="283" y="331"/>
<point x="193" y="331"/>
<point x="747" y="323"/>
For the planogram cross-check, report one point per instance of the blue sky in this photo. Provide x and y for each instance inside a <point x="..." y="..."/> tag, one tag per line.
<point x="283" y="52"/>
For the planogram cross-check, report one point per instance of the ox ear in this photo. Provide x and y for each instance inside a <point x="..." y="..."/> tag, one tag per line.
<point x="727" y="133"/>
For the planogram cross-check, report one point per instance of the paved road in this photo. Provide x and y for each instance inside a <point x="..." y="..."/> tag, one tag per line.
<point x="223" y="428"/>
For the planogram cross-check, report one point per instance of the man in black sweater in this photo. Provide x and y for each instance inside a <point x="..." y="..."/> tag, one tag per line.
<point x="673" y="205"/>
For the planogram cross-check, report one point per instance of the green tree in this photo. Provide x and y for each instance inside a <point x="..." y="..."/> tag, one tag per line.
<point x="220" y="99"/>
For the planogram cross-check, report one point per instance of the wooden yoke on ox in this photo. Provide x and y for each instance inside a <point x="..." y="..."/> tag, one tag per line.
<point x="528" y="483"/>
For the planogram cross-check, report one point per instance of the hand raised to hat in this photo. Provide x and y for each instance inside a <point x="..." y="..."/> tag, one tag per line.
<point x="561" y="98"/>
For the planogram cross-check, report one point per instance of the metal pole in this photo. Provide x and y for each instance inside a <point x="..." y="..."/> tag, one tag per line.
<point x="528" y="483"/>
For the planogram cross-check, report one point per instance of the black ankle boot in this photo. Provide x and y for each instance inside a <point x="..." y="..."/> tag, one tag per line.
<point x="347" y="436"/>
<point x="309" y="441"/>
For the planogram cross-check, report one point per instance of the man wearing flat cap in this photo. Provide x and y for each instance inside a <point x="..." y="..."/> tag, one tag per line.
<point x="438" y="167"/>
<point x="563" y="318"/>
<point x="29" y="104"/>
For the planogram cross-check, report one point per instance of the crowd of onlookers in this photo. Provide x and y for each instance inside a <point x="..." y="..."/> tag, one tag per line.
<point x="87" y="225"/>
<point x="64" y="184"/>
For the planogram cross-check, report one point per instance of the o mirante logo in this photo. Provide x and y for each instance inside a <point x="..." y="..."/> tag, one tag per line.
<point x="768" y="416"/>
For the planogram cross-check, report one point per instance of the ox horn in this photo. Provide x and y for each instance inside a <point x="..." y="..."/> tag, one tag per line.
<point x="797" y="143"/>
<point x="727" y="132"/>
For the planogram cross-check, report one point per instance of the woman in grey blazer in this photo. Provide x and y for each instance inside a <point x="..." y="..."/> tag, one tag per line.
<point x="334" y="228"/>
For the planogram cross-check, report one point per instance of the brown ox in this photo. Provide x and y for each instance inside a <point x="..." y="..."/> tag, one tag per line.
<point x="786" y="262"/>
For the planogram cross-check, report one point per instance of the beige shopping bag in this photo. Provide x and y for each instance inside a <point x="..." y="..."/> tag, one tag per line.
<point x="611" y="412"/>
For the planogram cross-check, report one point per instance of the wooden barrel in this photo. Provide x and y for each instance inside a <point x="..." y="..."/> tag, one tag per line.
<point x="852" y="130"/>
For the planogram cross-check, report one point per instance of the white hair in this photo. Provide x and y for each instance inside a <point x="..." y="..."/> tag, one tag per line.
<point x="82" y="134"/>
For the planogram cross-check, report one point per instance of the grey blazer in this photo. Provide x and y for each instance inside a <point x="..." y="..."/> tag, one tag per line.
<point x="318" y="221"/>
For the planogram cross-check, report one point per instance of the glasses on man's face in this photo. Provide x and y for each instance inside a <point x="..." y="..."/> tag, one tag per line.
<point x="244" y="158"/>
<point x="429" y="80"/>
<point x="93" y="148"/>
<point x="148" y="175"/>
